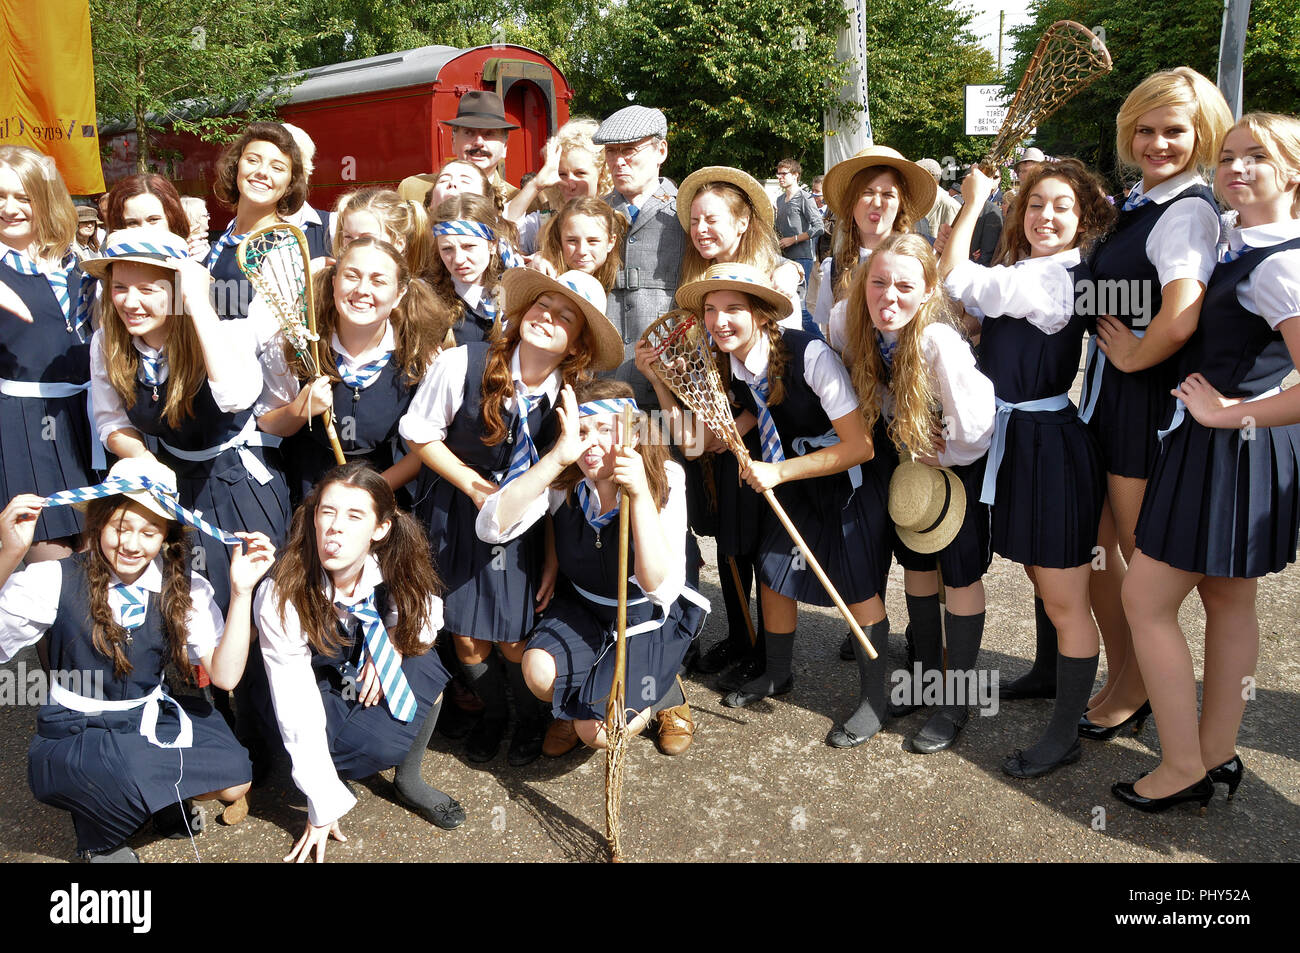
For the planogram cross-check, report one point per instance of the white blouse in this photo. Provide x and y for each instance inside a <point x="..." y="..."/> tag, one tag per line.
<point x="1271" y="290"/>
<point x="1039" y="290"/>
<point x="1184" y="242"/>
<point x="673" y="517"/>
<point x="826" y="293"/>
<point x="823" y="372"/>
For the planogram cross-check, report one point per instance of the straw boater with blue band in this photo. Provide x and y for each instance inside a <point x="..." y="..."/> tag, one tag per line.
<point x="732" y="276"/>
<point x="525" y="284"/>
<point x="147" y="246"/>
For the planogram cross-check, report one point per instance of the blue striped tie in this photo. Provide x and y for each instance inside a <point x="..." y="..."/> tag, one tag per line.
<point x="228" y="238"/>
<point x="590" y="504"/>
<point x="1234" y="254"/>
<point x="75" y="316"/>
<point x="525" y="454"/>
<point x="772" y="452"/>
<point x="388" y="663"/>
<point x="1135" y="201"/>
<point x="362" y="376"/>
<point x="151" y="369"/>
<point x="133" y="605"/>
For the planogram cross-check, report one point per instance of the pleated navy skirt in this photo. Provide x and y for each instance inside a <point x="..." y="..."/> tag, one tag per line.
<point x="1051" y="488"/>
<point x="366" y="740"/>
<point x="45" y="448"/>
<point x="1223" y="503"/>
<point x="490" y="587"/>
<point x="112" y="780"/>
<point x="1130" y="410"/>
<point x="964" y="561"/>
<point x="580" y="637"/>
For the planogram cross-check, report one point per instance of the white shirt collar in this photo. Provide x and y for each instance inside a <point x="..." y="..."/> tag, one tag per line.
<point x="1067" y="258"/>
<point x="472" y="295"/>
<point x="1264" y="236"/>
<point x="154" y="354"/>
<point x="550" y="387"/>
<point x="1170" y="188"/>
<point x="371" y="576"/>
<point x="863" y="253"/>
<point x="304" y="216"/>
<point x="387" y="344"/>
<point x="150" y="580"/>
<point x="755" y="363"/>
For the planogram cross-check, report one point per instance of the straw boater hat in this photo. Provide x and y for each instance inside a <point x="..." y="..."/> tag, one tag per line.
<point x="732" y="276"/>
<point x="919" y="187"/>
<point x="721" y="173"/>
<point x="525" y="284"/>
<point x="148" y="246"/>
<point x="927" y="505"/>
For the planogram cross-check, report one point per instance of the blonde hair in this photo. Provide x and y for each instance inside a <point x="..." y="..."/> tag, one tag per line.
<point x="551" y="244"/>
<point x="576" y="136"/>
<point x="847" y="240"/>
<point x="398" y="217"/>
<point x="910" y="379"/>
<point x="1183" y="87"/>
<point x="759" y="245"/>
<point x="1279" y="136"/>
<point x="54" y="217"/>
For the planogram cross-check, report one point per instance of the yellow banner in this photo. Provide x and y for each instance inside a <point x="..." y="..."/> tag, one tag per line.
<point x="47" y="86"/>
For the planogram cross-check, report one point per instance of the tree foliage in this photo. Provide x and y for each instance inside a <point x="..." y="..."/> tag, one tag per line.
<point x="1143" y="38"/>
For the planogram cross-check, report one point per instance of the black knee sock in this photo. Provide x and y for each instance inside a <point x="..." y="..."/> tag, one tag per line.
<point x="780" y="663"/>
<point x="409" y="782"/>
<point x="736" y="603"/>
<point x="965" y="632"/>
<point x="488" y="682"/>
<point x="1042" y="674"/>
<point x="870" y="714"/>
<point x="1074" y="678"/>
<point x="925" y="635"/>
<point x="527" y="707"/>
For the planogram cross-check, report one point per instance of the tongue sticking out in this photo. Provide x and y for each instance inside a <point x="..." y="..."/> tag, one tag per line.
<point x="332" y="548"/>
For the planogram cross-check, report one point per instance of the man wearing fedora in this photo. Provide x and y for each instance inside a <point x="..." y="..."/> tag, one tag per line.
<point x="479" y="134"/>
<point x="636" y="144"/>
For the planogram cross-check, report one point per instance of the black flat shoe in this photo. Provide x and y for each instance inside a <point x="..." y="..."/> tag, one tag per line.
<point x="448" y="816"/>
<point x="902" y="711"/>
<point x="1018" y="766"/>
<point x="455" y="722"/>
<point x="170" y="822"/>
<point x="1202" y="790"/>
<point x="717" y="658"/>
<point x="940" y="732"/>
<point x="1229" y="773"/>
<point x="841" y="737"/>
<point x="485" y="740"/>
<point x="526" y="744"/>
<point x="1097" y="733"/>
<point x="846" y="649"/>
<point x="746" y="671"/>
<point x="743" y="699"/>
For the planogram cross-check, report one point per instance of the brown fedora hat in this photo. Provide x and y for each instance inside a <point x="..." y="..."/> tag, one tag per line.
<point x="479" y="109"/>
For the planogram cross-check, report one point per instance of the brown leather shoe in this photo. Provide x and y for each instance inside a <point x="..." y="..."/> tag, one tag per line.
<point x="676" y="729"/>
<point x="235" y="812"/>
<point x="561" y="738"/>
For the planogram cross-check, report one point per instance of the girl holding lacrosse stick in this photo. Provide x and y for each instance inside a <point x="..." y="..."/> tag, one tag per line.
<point x="484" y="414"/>
<point x="1238" y="454"/>
<point x="115" y="616"/>
<point x="1162" y="249"/>
<point x="1043" y="475"/>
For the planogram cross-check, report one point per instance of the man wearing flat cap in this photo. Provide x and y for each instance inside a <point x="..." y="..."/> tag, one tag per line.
<point x="479" y="135"/>
<point x="636" y="144"/>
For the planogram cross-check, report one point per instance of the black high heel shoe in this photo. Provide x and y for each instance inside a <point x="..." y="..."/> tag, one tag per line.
<point x="1229" y="773"/>
<point x="1202" y="790"/>
<point x="1098" y="733"/>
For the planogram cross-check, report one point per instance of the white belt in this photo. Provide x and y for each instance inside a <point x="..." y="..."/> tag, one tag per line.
<point x="148" y="718"/>
<point x="647" y="626"/>
<point x="1180" y="411"/>
<point x="55" y="390"/>
<point x="998" y="444"/>
<point x="250" y="436"/>
<point x="806" y="445"/>
<point x="1092" y="380"/>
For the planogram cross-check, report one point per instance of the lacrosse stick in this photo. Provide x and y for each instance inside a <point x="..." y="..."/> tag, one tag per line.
<point x="1067" y="60"/>
<point x="276" y="261"/>
<point x="616" y="733"/>
<point x="686" y="365"/>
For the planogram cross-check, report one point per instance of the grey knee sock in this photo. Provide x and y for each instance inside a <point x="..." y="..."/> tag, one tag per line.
<point x="871" y="711"/>
<point x="408" y="780"/>
<point x="488" y="682"/>
<point x="1042" y="674"/>
<point x="1074" y="678"/>
<point x="780" y="663"/>
<point x="672" y="699"/>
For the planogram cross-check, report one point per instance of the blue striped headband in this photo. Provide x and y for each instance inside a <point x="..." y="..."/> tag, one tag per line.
<point x="613" y="405"/>
<point x="462" y="227"/>
<point x="116" y="486"/>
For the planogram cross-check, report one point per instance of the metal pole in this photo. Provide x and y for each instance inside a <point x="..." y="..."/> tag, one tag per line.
<point x="1232" y="47"/>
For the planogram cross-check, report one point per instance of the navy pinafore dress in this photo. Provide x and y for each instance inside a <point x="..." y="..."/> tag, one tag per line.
<point x="1226" y="502"/>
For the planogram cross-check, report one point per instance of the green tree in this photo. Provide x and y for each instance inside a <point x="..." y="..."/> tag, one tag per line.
<point x="1143" y="38"/>
<point x="189" y="63"/>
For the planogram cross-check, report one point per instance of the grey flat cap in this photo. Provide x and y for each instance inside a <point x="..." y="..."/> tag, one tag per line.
<point x="630" y="124"/>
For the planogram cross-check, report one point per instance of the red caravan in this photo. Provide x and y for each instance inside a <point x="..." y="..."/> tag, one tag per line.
<point x="375" y="121"/>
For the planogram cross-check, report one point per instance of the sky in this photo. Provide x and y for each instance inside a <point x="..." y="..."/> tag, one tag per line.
<point x="985" y="23"/>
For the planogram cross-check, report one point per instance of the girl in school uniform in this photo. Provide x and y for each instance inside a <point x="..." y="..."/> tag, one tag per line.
<point x="908" y="361"/>
<point x="1161" y="252"/>
<point x="872" y="194"/>
<point x="1223" y="505"/>
<point x="260" y="177"/>
<point x="793" y="388"/>
<point x="45" y="434"/>
<point x="484" y="414"/>
<point x="382" y="213"/>
<point x="570" y="656"/>
<point x="467" y="269"/>
<point x="112" y="747"/>
<point x="585" y="236"/>
<point x="354" y="592"/>
<point x="1043" y="475"/>
<point x="377" y="341"/>
<point x="146" y="201"/>
<point x="574" y="168"/>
